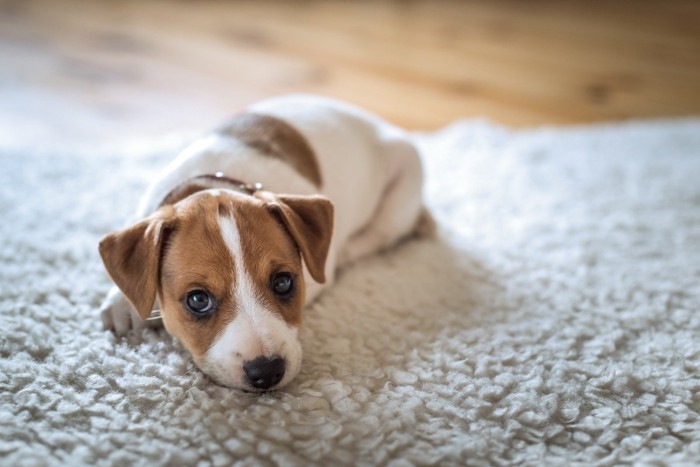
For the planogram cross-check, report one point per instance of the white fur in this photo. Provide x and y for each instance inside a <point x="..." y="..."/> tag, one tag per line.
<point x="370" y="171"/>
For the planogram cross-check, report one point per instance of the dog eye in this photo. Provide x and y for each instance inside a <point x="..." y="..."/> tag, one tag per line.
<point x="199" y="303"/>
<point x="282" y="284"/>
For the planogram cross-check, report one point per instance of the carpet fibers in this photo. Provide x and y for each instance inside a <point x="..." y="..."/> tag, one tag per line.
<point x="554" y="321"/>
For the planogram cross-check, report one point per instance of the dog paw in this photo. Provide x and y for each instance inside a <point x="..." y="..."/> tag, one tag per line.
<point x="116" y="319"/>
<point x="119" y="316"/>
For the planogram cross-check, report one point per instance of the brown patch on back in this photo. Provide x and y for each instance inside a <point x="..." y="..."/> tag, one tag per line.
<point x="276" y="138"/>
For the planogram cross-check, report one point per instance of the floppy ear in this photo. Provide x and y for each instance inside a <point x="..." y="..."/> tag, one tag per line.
<point x="132" y="258"/>
<point x="309" y="220"/>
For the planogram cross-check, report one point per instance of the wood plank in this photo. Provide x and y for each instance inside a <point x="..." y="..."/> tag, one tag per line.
<point x="110" y="71"/>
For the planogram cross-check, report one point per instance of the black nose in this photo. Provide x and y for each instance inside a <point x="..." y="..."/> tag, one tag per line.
<point x="263" y="372"/>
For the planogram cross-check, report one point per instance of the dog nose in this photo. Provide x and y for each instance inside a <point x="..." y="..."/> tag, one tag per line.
<point x="263" y="372"/>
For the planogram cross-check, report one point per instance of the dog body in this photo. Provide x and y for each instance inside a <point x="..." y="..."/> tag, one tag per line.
<point x="231" y="267"/>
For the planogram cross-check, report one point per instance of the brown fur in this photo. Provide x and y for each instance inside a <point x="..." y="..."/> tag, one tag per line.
<point x="274" y="231"/>
<point x="182" y="191"/>
<point x="131" y="258"/>
<point x="197" y="258"/>
<point x="267" y="250"/>
<point x="309" y="220"/>
<point x="276" y="138"/>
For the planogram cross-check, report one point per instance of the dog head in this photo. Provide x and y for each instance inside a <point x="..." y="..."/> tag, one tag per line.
<point x="227" y="270"/>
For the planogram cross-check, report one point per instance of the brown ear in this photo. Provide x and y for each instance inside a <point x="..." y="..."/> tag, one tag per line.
<point x="132" y="256"/>
<point x="309" y="220"/>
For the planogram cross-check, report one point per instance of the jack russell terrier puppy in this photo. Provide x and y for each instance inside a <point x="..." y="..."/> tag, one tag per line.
<point x="249" y="223"/>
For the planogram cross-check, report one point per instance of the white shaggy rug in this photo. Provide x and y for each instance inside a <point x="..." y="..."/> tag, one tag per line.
<point x="555" y="321"/>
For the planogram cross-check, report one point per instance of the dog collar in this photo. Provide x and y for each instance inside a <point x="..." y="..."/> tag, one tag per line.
<point x="188" y="187"/>
<point x="249" y="188"/>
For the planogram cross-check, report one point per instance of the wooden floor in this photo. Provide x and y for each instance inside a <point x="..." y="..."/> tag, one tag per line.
<point x="112" y="71"/>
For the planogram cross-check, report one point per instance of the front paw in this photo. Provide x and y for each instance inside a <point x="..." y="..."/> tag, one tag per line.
<point x="120" y="317"/>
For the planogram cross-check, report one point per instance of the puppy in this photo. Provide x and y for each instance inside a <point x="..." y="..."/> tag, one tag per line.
<point x="250" y="222"/>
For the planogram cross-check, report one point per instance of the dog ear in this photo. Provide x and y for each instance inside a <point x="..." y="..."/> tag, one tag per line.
<point x="132" y="258"/>
<point x="309" y="220"/>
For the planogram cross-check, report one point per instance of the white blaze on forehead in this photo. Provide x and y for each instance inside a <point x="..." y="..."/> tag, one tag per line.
<point x="255" y="331"/>
<point x="246" y="299"/>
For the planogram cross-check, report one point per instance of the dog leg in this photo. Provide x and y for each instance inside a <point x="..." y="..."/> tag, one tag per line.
<point x="400" y="212"/>
<point x="119" y="316"/>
